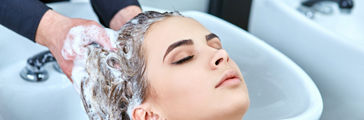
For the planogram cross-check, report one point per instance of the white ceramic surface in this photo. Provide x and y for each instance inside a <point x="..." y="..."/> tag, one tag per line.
<point x="330" y="48"/>
<point x="54" y="99"/>
<point x="278" y="88"/>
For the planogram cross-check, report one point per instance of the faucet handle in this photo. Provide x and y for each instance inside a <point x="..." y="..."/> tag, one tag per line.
<point x="346" y="4"/>
<point x="34" y="70"/>
<point x="343" y="4"/>
<point x="40" y="59"/>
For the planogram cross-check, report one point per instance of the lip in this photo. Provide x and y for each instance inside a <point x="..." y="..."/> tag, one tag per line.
<point x="230" y="77"/>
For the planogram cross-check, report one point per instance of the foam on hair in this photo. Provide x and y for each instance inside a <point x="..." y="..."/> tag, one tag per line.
<point x="112" y="83"/>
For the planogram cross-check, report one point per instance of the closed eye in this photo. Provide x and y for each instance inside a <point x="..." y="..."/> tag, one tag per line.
<point x="215" y="43"/>
<point x="183" y="60"/>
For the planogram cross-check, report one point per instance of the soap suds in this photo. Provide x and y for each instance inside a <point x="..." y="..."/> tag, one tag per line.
<point x="75" y="48"/>
<point x="110" y="78"/>
<point x="99" y="73"/>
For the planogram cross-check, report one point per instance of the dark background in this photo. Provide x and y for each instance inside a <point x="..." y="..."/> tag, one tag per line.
<point x="234" y="11"/>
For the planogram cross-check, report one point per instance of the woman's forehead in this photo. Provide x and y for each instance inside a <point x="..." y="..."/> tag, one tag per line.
<point x="172" y="29"/>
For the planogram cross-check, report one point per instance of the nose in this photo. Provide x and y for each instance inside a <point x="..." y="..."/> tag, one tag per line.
<point x="219" y="59"/>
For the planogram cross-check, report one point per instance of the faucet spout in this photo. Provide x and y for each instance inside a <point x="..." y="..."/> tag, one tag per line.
<point x="34" y="70"/>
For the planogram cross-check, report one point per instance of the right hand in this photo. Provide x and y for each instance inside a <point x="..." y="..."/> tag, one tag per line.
<point x="53" y="31"/>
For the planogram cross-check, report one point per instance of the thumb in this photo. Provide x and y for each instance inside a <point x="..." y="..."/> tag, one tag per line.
<point x="107" y="38"/>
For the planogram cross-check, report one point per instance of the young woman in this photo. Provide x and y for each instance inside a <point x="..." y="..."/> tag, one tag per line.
<point x="166" y="67"/>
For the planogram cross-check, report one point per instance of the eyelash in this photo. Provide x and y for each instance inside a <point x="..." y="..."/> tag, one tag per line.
<point x="183" y="60"/>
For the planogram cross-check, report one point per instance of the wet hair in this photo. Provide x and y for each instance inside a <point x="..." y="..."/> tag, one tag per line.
<point x="116" y="82"/>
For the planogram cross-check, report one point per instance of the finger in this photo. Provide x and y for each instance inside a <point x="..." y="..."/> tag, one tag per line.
<point x="75" y="43"/>
<point x="106" y="38"/>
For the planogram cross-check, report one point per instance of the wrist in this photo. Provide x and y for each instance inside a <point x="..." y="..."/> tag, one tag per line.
<point x="50" y="27"/>
<point x="123" y="16"/>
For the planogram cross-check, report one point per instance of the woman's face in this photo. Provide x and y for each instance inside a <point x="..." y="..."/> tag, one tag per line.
<point x="186" y="65"/>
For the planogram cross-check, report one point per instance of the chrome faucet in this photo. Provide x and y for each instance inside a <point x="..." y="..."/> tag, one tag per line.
<point x="310" y="7"/>
<point x="343" y="4"/>
<point x="34" y="70"/>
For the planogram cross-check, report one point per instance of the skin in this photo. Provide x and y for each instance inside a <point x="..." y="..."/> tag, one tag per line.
<point x="187" y="91"/>
<point x="54" y="27"/>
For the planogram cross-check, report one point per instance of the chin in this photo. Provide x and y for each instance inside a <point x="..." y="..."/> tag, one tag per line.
<point x="235" y="106"/>
<point x="240" y="103"/>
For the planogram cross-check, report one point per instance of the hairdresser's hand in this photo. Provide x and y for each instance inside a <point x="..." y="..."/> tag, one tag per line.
<point x="53" y="31"/>
<point x="123" y="16"/>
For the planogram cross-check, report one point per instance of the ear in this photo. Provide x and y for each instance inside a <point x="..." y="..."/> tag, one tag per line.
<point x="143" y="113"/>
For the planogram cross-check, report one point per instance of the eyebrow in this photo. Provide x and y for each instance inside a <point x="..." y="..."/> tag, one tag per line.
<point x="211" y="36"/>
<point x="187" y="42"/>
<point x="177" y="44"/>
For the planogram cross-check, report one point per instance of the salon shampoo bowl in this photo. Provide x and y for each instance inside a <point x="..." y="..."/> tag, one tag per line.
<point x="330" y="48"/>
<point x="278" y="88"/>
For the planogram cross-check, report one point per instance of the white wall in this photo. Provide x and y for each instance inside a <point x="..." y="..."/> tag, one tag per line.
<point x="180" y="5"/>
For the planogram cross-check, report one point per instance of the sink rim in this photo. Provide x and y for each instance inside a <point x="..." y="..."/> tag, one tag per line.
<point x="284" y="7"/>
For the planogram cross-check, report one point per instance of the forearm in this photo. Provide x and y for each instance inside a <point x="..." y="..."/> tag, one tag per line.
<point x="51" y="25"/>
<point x="123" y="16"/>
<point x="22" y="16"/>
<point x="108" y="10"/>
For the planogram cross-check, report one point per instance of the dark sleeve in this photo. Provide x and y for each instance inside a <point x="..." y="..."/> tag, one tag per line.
<point x="22" y="16"/>
<point x="106" y="9"/>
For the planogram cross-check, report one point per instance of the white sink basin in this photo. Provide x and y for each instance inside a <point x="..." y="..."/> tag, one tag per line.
<point x="278" y="88"/>
<point x="330" y="48"/>
<point x="54" y="99"/>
